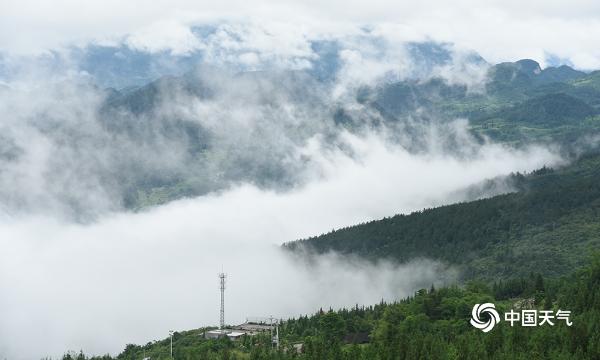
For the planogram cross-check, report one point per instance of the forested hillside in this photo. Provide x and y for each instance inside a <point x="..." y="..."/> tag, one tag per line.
<point x="432" y="324"/>
<point x="517" y="101"/>
<point x="548" y="225"/>
<point x="534" y="249"/>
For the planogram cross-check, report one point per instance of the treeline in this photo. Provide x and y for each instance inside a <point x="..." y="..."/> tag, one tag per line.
<point x="548" y="226"/>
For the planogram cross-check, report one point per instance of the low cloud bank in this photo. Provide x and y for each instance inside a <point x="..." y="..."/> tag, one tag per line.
<point x="130" y="277"/>
<point x="80" y="269"/>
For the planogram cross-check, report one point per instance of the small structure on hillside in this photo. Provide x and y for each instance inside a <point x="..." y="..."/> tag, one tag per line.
<point x="257" y="325"/>
<point x="251" y="327"/>
<point x="247" y="328"/>
<point x="216" y="334"/>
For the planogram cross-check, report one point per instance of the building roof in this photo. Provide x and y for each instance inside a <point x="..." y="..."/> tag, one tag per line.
<point x="254" y="327"/>
<point x="235" y="334"/>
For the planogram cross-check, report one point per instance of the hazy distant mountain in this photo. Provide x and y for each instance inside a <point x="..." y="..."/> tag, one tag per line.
<point x="198" y="128"/>
<point x="511" y="79"/>
<point x="123" y="65"/>
<point x="539" y="111"/>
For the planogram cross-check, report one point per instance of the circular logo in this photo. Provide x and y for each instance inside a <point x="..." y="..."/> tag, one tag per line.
<point x="493" y="316"/>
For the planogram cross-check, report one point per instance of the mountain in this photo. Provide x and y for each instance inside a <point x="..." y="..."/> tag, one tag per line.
<point x="549" y="226"/>
<point x="230" y="125"/>
<point x="561" y="73"/>
<point x="147" y="98"/>
<point x="122" y="66"/>
<point x="552" y="109"/>
<point x="518" y="107"/>
<point x="592" y="80"/>
<point x="527" y="73"/>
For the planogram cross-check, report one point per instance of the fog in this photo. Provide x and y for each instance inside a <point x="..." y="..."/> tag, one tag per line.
<point x="77" y="151"/>
<point x="88" y="262"/>
<point x="499" y="30"/>
<point x="130" y="277"/>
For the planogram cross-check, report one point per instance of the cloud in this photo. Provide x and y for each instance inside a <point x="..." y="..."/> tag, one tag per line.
<point x="132" y="277"/>
<point x="98" y="288"/>
<point x="123" y="277"/>
<point x="71" y="149"/>
<point x="500" y="31"/>
<point x="283" y="45"/>
<point x="288" y="172"/>
<point x="165" y="36"/>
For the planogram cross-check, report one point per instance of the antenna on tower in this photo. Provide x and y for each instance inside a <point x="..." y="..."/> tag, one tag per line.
<point x="222" y="277"/>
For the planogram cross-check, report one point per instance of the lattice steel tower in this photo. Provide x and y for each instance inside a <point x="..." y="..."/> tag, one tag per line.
<point x="222" y="277"/>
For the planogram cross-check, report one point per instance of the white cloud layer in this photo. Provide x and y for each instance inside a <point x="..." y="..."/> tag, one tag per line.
<point x="499" y="30"/>
<point x="129" y="278"/>
<point x="132" y="277"/>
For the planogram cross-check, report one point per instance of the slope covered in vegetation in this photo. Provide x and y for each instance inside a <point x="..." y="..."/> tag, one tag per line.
<point x="432" y="324"/>
<point x="549" y="225"/>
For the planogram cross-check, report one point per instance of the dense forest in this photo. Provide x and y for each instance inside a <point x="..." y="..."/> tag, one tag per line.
<point x="432" y="324"/>
<point x="547" y="226"/>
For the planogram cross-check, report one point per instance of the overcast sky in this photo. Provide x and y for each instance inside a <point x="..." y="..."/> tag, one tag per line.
<point x="499" y="30"/>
